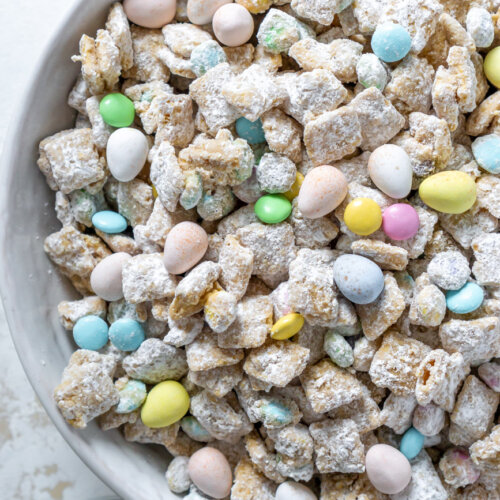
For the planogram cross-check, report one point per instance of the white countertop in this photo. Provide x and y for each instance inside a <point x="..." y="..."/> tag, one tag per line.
<point x="35" y="462"/>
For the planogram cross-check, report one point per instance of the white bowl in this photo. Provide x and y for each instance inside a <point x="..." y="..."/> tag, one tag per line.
<point x="31" y="285"/>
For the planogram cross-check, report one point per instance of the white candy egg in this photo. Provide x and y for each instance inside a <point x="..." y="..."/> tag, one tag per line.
<point x="202" y="11"/>
<point x="290" y="490"/>
<point x="233" y="25"/>
<point x="106" y="278"/>
<point x="150" y="13"/>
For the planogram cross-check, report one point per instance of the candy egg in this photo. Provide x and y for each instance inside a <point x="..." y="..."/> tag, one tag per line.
<point x="126" y="334"/>
<point x="233" y="25"/>
<point x="358" y="278"/>
<point x="202" y="11"/>
<point x="252" y="132"/>
<point x="109" y="222"/>
<point x="339" y="350"/>
<point x="492" y="66"/>
<point x="412" y="443"/>
<point x="466" y="299"/>
<point x="206" y="56"/>
<point x="150" y="13"/>
<point x="132" y="395"/>
<point x="185" y="246"/>
<point x="451" y="192"/>
<point x="290" y="490"/>
<point x="390" y="170"/>
<point x="486" y="150"/>
<point x="287" y="326"/>
<point x="391" y="42"/>
<point x="106" y="278"/>
<point x="294" y="191"/>
<point x="275" y="413"/>
<point x="117" y="110"/>
<point x="363" y="216"/>
<point x="273" y="208"/>
<point x="400" y="221"/>
<point x="387" y="468"/>
<point x="90" y="332"/>
<point x="166" y="403"/>
<point x="126" y="153"/>
<point x="195" y="430"/>
<point x="323" y="190"/>
<point x="210" y="471"/>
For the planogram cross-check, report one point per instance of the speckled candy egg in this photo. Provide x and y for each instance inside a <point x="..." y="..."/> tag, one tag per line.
<point x="323" y="190"/>
<point x="185" y="245"/>
<point x="390" y="170"/>
<point x="391" y="42"/>
<point x="358" y="278"/>
<point x="106" y="278"/>
<point x="132" y="395"/>
<point x="388" y="469"/>
<point x="290" y="490"/>
<point x="202" y="11"/>
<point x="210" y="472"/>
<point x="400" y="221"/>
<point x="233" y="25"/>
<point x="150" y="13"/>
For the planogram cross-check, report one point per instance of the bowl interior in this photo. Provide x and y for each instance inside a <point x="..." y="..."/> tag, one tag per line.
<point x="31" y="285"/>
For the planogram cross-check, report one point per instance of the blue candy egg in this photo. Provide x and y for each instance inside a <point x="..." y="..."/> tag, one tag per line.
<point x="358" y="278"/>
<point x="132" y="394"/>
<point x="126" y="334"/>
<point x="252" y="132"/>
<point x="466" y="299"/>
<point x="91" y="332"/>
<point x="276" y="414"/>
<point x="195" y="430"/>
<point x="391" y="42"/>
<point x="486" y="151"/>
<point x="206" y="56"/>
<point x="411" y="443"/>
<point x="109" y="222"/>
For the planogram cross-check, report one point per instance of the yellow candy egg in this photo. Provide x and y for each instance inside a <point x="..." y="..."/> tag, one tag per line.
<point x="492" y="66"/>
<point x="155" y="192"/>
<point x="451" y="192"/>
<point x="363" y="216"/>
<point x="293" y="192"/>
<point x="166" y="403"/>
<point x="287" y="326"/>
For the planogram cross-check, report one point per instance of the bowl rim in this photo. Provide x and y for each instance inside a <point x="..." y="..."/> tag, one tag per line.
<point x="15" y="126"/>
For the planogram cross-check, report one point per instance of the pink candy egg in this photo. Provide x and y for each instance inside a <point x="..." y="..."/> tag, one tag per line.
<point x="185" y="245"/>
<point x="400" y="221"/>
<point x="106" y="278"/>
<point x="387" y="469"/>
<point x="150" y="13"/>
<point x="202" y="11"/>
<point x="210" y="471"/>
<point x="233" y="25"/>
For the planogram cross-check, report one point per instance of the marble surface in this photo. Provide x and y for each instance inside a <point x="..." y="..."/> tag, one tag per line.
<point x="35" y="462"/>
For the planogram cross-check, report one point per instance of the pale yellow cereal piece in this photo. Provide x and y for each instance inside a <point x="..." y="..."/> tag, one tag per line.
<point x="349" y="486"/>
<point x="256" y="6"/>
<point x="118" y="27"/>
<point x="397" y="412"/>
<point x="395" y="364"/>
<point x="488" y="194"/>
<point x="486" y="269"/>
<point x="240" y="58"/>
<point x="276" y="362"/>
<point x="182" y="38"/>
<point x="444" y="98"/>
<point x="437" y="47"/>
<point x="364" y="350"/>
<point x="183" y="446"/>
<point x="218" y="381"/>
<point x="378" y="316"/>
<point x="70" y="312"/>
<point x="79" y="95"/>
<point x="485" y="116"/>
<point x="176" y="64"/>
<point x="283" y="134"/>
<point x="386" y="256"/>
<point x="456" y="34"/>
<point x="486" y="455"/>
<point x="220" y="310"/>
<point x="266" y="462"/>
<point x="159" y="309"/>
<point x="428" y="307"/>
<point x="249" y="483"/>
<point x="272" y="62"/>
<point x="139" y="433"/>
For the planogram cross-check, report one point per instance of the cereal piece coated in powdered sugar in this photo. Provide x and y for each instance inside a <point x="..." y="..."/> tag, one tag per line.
<point x="118" y="27"/>
<point x="293" y="441"/>
<point x="272" y="62"/>
<point x="262" y="458"/>
<point x="276" y="173"/>
<point x="355" y="169"/>
<point x="293" y="468"/>
<point x="176" y="64"/>
<point x="249" y="482"/>
<point x="363" y="351"/>
<point x="240" y="58"/>
<point x="444" y="98"/>
<point x="177" y="475"/>
<point x="183" y="331"/>
<point x="429" y="420"/>
<point x="458" y="469"/>
<point x="135" y="201"/>
<point x="337" y="446"/>
<point x="475" y="407"/>
<point x="395" y="364"/>
<point x="119" y="309"/>
<point x="283" y="134"/>
<point x="155" y="361"/>
<point x="486" y="455"/>
<point x="204" y="353"/>
<point x="378" y="316"/>
<point x="244" y="216"/>
<point x="256" y="6"/>
<point x="220" y="310"/>
<point x="455" y="33"/>
<point x="218" y="381"/>
<point x="79" y="95"/>
<point x="428" y="306"/>
<point x="112" y="420"/>
<point x="137" y="432"/>
<point x="86" y="389"/>
<point x="449" y="270"/>
<point x="312" y="338"/>
<point x="486" y="268"/>
<point x="320" y="11"/>
<point x="82" y="121"/>
<point x="70" y="312"/>
<point x="490" y="375"/>
<point x="276" y="362"/>
<point x="182" y="38"/>
<point x="184" y="446"/>
<point x="463" y="72"/>
<point x="484" y="119"/>
<point x="397" y="412"/>
<point x="101" y="131"/>
<point x="386" y="256"/>
<point x="439" y="377"/>
<point x="488" y="194"/>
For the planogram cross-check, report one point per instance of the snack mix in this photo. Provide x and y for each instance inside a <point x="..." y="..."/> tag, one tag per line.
<point x="282" y="218"/>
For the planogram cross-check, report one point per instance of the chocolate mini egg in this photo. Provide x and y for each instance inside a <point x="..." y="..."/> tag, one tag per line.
<point x="185" y="246"/>
<point x="290" y="490"/>
<point x="126" y="153"/>
<point x="233" y="25"/>
<point x="202" y="11"/>
<point x="106" y="278"/>
<point x="323" y="190"/>
<point x="210" y="471"/>
<point x="150" y="13"/>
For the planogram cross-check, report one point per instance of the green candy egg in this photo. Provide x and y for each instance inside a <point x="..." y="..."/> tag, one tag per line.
<point x="117" y="110"/>
<point x="273" y="208"/>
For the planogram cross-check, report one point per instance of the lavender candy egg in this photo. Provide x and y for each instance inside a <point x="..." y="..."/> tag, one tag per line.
<point x="202" y="11"/>
<point x="210" y="471"/>
<point x="106" y="278"/>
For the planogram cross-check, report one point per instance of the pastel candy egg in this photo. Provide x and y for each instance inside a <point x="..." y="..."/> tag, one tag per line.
<point x="275" y="414"/>
<point x="391" y="42"/>
<point x="166" y="403"/>
<point x="359" y="279"/>
<point x="205" y="56"/>
<point x="290" y="490"/>
<point x="486" y="150"/>
<point x="294" y="191"/>
<point x="412" y="443"/>
<point x="109" y="222"/>
<point x="450" y="192"/>
<point x="400" y="221"/>
<point x="390" y="170"/>
<point x="233" y="25"/>
<point x="363" y="216"/>
<point x="193" y="190"/>
<point x="323" y="190"/>
<point x="490" y="375"/>
<point x="126" y="153"/>
<point x="252" y="132"/>
<point x="185" y="246"/>
<point x="387" y="468"/>
<point x="210" y="471"/>
<point x="195" y="430"/>
<point x="126" y="334"/>
<point x="492" y="66"/>
<point x="339" y="350"/>
<point x="117" y="110"/>
<point x="466" y="299"/>
<point x="150" y="13"/>
<point x="273" y="208"/>
<point x="106" y="278"/>
<point x="202" y="11"/>
<point x="90" y="332"/>
<point x="132" y="395"/>
<point x="287" y="326"/>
